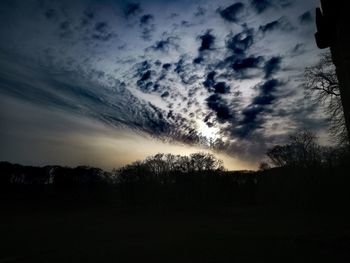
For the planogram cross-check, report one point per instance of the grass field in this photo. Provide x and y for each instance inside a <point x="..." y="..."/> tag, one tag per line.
<point x="33" y="233"/>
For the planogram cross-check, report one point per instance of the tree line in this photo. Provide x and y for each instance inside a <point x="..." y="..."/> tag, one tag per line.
<point x="298" y="173"/>
<point x="303" y="151"/>
<point x="162" y="178"/>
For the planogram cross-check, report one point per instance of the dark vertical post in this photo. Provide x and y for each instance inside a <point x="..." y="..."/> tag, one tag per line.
<point x="333" y="31"/>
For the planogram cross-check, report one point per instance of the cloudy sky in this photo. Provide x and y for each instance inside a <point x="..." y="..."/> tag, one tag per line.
<point x="106" y="82"/>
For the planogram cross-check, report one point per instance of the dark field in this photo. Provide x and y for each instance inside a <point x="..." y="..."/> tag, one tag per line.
<point x="106" y="233"/>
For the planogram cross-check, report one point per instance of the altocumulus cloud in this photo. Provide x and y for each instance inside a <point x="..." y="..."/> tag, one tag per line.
<point x="130" y="65"/>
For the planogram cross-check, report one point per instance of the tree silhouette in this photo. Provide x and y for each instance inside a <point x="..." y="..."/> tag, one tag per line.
<point x="301" y="151"/>
<point x="161" y="165"/>
<point x="205" y="162"/>
<point x="322" y="84"/>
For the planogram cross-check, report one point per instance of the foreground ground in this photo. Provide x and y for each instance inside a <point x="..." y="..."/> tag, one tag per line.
<point x="42" y="233"/>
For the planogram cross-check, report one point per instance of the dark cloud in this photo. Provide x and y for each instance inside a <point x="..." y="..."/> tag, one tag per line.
<point x="156" y="122"/>
<point x="207" y="41"/>
<point x="101" y="27"/>
<point x="239" y="43"/>
<point x="280" y="24"/>
<point x="88" y="16"/>
<point x="156" y="87"/>
<point x="179" y="66"/>
<point x="145" y="83"/>
<point x="216" y="103"/>
<point x="132" y="9"/>
<point x="146" y="19"/>
<point x="207" y="118"/>
<point x="272" y="66"/>
<point x="170" y="115"/>
<point x="65" y="29"/>
<point x="261" y="5"/>
<point x="252" y="115"/>
<point x="183" y="71"/>
<point x="207" y="44"/>
<point x="218" y="88"/>
<point x="305" y="18"/>
<point x="221" y="88"/>
<point x="185" y="23"/>
<point x="147" y="26"/>
<point x="144" y="75"/>
<point x="166" y="66"/>
<point x="209" y="82"/>
<point x="165" y="45"/>
<point x="102" y="32"/>
<point x="162" y="45"/>
<point x="266" y="90"/>
<point x="198" y="60"/>
<point x="270" y="26"/>
<point x="189" y="79"/>
<point x="250" y="122"/>
<point x="232" y="13"/>
<point x="142" y="67"/>
<point x="240" y="65"/>
<point x="145" y="86"/>
<point x="165" y="94"/>
<point x="50" y="13"/>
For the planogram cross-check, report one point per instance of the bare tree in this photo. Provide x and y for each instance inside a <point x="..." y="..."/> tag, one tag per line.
<point x="322" y="84"/>
<point x="160" y="166"/>
<point x="280" y="155"/>
<point x="205" y="162"/>
<point x="301" y="151"/>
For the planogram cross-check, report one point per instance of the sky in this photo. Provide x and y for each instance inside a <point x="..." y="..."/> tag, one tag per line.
<point x="108" y="82"/>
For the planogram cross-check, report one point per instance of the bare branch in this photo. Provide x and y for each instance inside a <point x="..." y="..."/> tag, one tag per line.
<point x="322" y="85"/>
